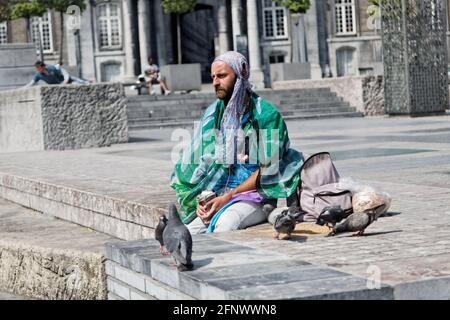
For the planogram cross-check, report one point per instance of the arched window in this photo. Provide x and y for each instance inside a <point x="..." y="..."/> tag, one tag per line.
<point x="3" y="32"/>
<point x="108" y="24"/>
<point x="346" y="62"/>
<point x="344" y="17"/>
<point x="42" y="31"/>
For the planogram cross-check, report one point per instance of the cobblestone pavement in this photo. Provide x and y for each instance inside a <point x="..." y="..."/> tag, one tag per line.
<point x="407" y="157"/>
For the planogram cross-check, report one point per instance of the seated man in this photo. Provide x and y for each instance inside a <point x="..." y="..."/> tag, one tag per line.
<point x="153" y="76"/>
<point x="240" y="151"/>
<point x="53" y="74"/>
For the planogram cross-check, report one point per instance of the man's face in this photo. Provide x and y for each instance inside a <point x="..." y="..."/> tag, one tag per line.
<point x="223" y="79"/>
<point x="40" y="68"/>
<point x="150" y="61"/>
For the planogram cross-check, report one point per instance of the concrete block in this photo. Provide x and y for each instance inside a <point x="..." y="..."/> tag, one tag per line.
<point x="428" y="289"/>
<point x="162" y="272"/>
<point x="110" y="268"/>
<point x="119" y="288"/>
<point x="181" y="77"/>
<point x="130" y="278"/>
<point x="112" y="296"/>
<point x="289" y="71"/>
<point x="136" y="295"/>
<point x="163" y="292"/>
<point x="18" y="55"/>
<point x="62" y="117"/>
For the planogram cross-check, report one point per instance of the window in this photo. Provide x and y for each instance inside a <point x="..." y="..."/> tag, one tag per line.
<point x="344" y="16"/>
<point x="276" y="58"/>
<point x="275" y="20"/>
<point x="3" y="32"/>
<point x="109" y="25"/>
<point x="346" y="62"/>
<point x="41" y="32"/>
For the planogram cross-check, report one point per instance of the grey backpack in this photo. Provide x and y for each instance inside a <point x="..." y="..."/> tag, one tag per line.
<point x="318" y="187"/>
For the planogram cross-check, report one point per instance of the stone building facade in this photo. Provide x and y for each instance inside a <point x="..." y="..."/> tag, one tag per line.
<point x="117" y="36"/>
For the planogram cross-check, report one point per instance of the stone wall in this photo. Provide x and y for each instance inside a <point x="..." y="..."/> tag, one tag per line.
<point x="62" y="117"/>
<point x="52" y="274"/>
<point x="373" y="95"/>
<point x="363" y="93"/>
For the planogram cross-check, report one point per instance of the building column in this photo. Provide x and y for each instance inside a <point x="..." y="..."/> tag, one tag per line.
<point x="312" y="40"/>
<point x="236" y="17"/>
<point x="223" y="30"/>
<point x="163" y="34"/>
<point x="256" y="74"/>
<point x="144" y="31"/>
<point x="128" y="41"/>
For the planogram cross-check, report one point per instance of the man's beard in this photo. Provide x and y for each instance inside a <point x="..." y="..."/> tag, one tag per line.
<point x="223" y="94"/>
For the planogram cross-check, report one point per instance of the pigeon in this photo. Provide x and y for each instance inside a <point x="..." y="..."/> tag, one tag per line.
<point x="331" y="215"/>
<point x="284" y="220"/>
<point x="357" y="221"/>
<point x="178" y="240"/>
<point x="159" y="234"/>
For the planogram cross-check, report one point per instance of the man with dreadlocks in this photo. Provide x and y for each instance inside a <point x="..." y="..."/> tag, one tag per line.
<point x="240" y="151"/>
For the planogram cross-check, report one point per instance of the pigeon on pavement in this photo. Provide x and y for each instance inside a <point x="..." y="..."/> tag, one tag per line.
<point x="331" y="215"/>
<point x="284" y="220"/>
<point x="159" y="234"/>
<point x="358" y="221"/>
<point x="178" y="240"/>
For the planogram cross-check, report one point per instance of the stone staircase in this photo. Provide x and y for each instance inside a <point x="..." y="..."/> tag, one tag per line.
<point x="148" y="112"/>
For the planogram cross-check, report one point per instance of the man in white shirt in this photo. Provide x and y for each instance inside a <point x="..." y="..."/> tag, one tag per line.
<point x="153" y="76"/>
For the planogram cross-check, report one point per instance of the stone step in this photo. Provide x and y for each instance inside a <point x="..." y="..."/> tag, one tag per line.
<point x="226" y="270"/>
<point x="112" y="215"/>
<point x="47" y="258"/>
<point x="197" y="105"/>
<point x="196" y="112"/>
<point x="209" y="95"/>
<point x="172" y="123"/>
<point x="195" y="116"/>
<point x="323" y="116"/>
<point x="317" y="110"/>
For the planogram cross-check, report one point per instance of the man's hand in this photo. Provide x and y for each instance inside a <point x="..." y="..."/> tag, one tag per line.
<point x="66" y="82"/>
<point x="203" y="214"/>
<point x="216" y="204"/>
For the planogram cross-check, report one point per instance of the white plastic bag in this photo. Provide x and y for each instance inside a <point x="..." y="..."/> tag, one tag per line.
<point x="365" y="197"/>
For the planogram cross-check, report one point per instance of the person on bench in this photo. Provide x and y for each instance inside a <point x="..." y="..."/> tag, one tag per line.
<point x="241" y="152"/>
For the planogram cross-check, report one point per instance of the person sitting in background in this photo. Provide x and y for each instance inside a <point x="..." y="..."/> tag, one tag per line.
<point x="153" y="76"/>
<point x="53" y="74"/>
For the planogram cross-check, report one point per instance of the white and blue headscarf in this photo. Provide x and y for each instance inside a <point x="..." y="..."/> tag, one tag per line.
<point x="231" y="119"/>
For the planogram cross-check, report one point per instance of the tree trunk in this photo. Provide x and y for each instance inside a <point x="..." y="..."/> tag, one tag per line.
<point x="61" y="42"/>
<point x="179" y="38"/>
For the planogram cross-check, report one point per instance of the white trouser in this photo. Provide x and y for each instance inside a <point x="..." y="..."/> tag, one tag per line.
<point x="239" y="215"/>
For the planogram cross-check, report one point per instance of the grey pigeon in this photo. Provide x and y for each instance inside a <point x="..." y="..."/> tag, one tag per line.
<point x="358" y="221"/>
<point x="284" y="220"/>
<point x="159" y="234"/>
<point x="178" y="240"/>
<point x="331" y="215"/>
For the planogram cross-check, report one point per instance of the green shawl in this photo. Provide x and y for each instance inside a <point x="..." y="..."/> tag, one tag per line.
<point x="267" y="144"/>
